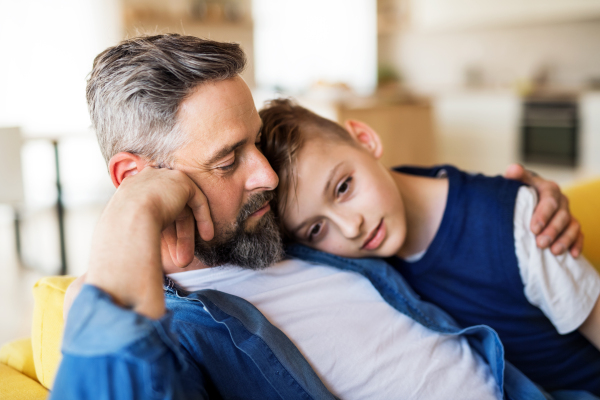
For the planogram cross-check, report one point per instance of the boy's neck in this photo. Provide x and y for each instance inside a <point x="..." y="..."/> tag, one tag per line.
<point x="424" y="204"/>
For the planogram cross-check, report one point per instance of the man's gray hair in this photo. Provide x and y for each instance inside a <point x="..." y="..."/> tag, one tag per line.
<point x="135" y="89"/>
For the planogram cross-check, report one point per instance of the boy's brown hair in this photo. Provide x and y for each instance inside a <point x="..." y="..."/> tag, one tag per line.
<point x="286" y="128"/>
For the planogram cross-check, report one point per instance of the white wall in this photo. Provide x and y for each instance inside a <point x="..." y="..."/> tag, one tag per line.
<point x="300" y="42"/>
<point x="47" y="50"/>
<point x="434" y="61"/>
<point x="48" y="47"/>
<point x="478" y="131"/>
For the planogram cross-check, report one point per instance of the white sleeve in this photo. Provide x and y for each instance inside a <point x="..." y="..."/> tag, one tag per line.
<point x="563" y="287"/>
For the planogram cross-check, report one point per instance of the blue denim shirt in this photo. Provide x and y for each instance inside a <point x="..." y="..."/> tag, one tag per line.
<point x="215" y="345"/>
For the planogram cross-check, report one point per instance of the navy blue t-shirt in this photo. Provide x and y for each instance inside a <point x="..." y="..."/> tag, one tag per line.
<point x="471" y="271"/>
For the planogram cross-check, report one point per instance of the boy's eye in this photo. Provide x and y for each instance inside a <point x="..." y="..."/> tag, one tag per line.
<point x="344" y="187"/>
<point x="314" y="231"/>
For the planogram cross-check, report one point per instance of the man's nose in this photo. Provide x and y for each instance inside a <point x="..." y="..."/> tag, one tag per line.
<point x="350" y="224"/>
<point x="261" y="176"/>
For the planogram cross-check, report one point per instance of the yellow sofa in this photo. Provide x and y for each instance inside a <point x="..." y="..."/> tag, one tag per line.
<point x="28" y="366"/>
<point x="584" y="199"/>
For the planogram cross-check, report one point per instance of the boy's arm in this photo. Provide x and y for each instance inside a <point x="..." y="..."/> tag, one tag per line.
<point x="552" y="221"/>
<point x="591" y="327"/>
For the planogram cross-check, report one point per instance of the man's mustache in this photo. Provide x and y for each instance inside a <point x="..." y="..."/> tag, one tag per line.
<point x="254" y="203"/>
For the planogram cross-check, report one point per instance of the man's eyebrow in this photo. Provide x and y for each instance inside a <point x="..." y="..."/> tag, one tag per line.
<point x="225" y="151"/>
<point x="331" y="176"/>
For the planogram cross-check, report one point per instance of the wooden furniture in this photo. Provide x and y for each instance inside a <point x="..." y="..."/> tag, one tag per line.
<point x="405" y="128"/>
<point x="221" y="20"/>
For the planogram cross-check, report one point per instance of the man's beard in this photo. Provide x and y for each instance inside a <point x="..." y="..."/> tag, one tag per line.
<point x="255" y="249"/>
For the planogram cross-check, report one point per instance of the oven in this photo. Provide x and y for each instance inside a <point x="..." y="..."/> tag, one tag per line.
<point x="550" y="131"/>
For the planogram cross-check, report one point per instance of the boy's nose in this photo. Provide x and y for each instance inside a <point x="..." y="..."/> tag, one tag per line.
<point x="350" y="225"/>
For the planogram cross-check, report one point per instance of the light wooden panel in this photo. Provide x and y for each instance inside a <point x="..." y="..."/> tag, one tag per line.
<point x="406" y="131"/>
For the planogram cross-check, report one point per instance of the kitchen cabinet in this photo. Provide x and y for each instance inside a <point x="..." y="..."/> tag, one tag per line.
<point x="459" y="14"/>
<point x="480" y="131"/>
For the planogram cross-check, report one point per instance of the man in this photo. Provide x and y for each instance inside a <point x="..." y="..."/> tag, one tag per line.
<point x="179" y="129"/>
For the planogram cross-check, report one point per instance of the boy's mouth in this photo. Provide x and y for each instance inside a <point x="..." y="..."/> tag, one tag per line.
<point x="375" y="237"/>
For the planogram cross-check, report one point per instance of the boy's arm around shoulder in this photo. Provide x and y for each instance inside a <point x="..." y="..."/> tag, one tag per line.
<point x="565" y="288"/>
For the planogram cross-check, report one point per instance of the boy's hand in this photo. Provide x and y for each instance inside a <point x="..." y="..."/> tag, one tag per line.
<point x="552" y="221"/>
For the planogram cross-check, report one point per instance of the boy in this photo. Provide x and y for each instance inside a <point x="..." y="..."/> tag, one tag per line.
<point x="462" y="241"/>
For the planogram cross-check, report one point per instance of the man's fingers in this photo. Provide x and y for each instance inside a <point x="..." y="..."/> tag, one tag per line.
<point x="518" y="173"/>
<point x="560" y="221"/>
<point x="169" y="235"/>
<point x="577" y="246"/>
<point x="179" y="237"/>
<point x="185" y="237"/>
<point x="567" y="238"/>
<point x="199" y="207"/>
<point x="550" y="198"/>
<point x="544" y="211"/>
<point x="182" y="191"/>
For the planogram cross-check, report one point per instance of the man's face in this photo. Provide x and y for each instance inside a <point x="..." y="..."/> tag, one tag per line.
<point x="223" y="127"/>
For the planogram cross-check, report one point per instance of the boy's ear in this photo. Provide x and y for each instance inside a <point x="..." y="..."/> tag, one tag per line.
<point x="125" y="164"/>
<point x="365" y="136"/>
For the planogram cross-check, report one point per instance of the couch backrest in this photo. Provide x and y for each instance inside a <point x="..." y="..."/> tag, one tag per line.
<point x="48" y="324"/>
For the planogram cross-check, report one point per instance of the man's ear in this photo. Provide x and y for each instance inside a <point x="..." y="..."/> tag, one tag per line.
<point x="124" y="164"/>
<point x="365" y="136"/>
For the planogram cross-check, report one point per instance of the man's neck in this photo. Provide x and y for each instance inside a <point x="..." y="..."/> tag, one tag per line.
<point x="424" y="205"/>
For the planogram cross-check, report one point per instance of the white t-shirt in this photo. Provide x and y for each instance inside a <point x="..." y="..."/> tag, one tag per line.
<point x="563" y="287"/>
<point x="358" y="345"/>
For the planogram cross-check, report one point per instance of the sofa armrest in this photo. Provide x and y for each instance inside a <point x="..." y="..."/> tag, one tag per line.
<point x="16" y="386"/>
<point x="19" y="356"/>
<point x="48" y="325"/>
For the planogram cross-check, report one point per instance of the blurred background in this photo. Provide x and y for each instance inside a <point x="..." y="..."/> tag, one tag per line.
<point x="476" y="83"/>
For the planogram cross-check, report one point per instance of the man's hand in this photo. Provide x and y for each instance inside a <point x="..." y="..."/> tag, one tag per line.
<point x="552" y="221"/>
<point x="126" y="257"/>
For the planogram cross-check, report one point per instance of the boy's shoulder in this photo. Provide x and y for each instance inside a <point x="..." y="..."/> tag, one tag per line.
<point x="468" y="183"/>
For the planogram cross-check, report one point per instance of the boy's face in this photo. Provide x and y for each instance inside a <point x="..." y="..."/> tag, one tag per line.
<point x="345" y="202"/>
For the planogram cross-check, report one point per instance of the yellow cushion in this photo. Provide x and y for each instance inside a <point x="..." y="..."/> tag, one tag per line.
<point x="47" y="329"/>
<point x="584" y="200"/>
<point x="19" y="355"/>
<point x="16" y="386"/>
